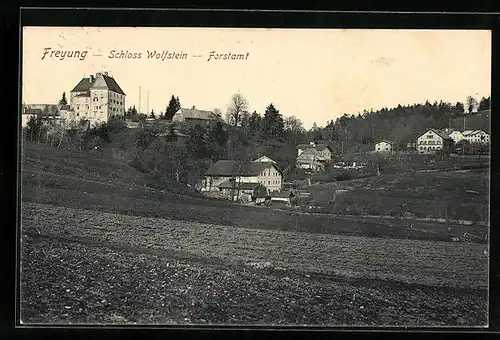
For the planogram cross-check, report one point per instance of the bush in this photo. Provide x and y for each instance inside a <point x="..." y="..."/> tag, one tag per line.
<point x="344" y="177"/>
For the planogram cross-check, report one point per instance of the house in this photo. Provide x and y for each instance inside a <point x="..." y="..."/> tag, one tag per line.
<point x="476" y="136"/>
<point x="230" y="175"/>
<point x="313" y="157"/>
<point x="433" y="140"/>
<point x="27" y="114"/>
<point x="456" y="135"/>
<point x="384" y="146"/>
<point x="194" y="115"/>
<point x="246" y="190"/>
<point x="324" y="149"/>
<point x="286" y="196"/>
<point x="312" y="160"/>
<point x="96" y="99"/>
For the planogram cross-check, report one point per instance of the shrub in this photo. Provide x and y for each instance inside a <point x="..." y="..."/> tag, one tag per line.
<point x="344" y="177"/>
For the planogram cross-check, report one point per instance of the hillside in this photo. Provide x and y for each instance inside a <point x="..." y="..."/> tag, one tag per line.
<point x="476" y="121"/>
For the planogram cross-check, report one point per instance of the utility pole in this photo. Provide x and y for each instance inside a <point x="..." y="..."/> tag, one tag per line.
<point x="139" y="100"/>
<point x="147" y="110"/>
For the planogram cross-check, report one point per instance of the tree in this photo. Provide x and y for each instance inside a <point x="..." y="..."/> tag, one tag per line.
<point x="237" y="106"/>
<point x="254" y="123"/>
<point x="458" y="109"/>
<point x="260" y="191"/>
<point x="294" y="129"/>
<point x="484" y="104"/>
<point x="196" y="144"/>
<point x="173" y="106"/>
<point x="217" y="114"/>
<point x="152" y="114"/>
<point x="63" y="100"/>
<point x="471" y="103"/>
<point x="33" y="128"/>
<point x="272" y="123"/>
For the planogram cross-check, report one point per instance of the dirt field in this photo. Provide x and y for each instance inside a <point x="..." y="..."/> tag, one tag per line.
<point x="81" y="266"/>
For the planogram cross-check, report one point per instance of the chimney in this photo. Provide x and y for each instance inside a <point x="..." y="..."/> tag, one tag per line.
<point x="194" y="108"/>
<point x="91" y="78"/>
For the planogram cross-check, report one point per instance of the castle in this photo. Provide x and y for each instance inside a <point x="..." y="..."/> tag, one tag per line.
<point x="95" y="99"/>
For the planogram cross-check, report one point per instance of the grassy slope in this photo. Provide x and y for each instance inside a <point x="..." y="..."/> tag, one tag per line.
<point x="86" y="182"/>
<point x="453" y="195"/>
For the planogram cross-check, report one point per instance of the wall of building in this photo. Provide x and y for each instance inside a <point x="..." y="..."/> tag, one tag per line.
<point x="383" y="146"/>
<point x="430" y="142"/>
<point x="476" y="138"/>
<point x="271" y="178"/>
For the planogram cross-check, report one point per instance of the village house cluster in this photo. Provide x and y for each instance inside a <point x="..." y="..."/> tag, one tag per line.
<point x="97" y="99"/>
<point x="434" y="140"/>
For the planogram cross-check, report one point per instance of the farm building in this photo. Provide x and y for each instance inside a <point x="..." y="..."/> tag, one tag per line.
<point x="456" y="135"/>
<point x="384" y="146"/>
<point x="433" y="140"/>
<point x="230" y="174"/>
<point x="324" y="149"/>
<point x="286" y="196"/>
<point x="476" y="136"/>
<point x="194" y="116"/>
<point x="313" y="157"/>
<point x="311" y="160"/>
<point x="27" y="114"/>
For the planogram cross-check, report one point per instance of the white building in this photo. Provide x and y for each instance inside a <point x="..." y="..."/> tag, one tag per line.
<point x="384" y="146"/>
<point x="433" y="140"/>
<point x="456" y="135"/>
<point x="476" y="136"/>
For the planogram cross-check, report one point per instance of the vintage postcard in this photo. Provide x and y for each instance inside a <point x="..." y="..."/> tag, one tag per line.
<point x="255" y="177"/>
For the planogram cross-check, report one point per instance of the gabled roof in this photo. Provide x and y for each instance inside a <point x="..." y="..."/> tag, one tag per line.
<point x="197" y="114"/>
<point x="384" y="140"/>
<point x="265" y="159"/>
<point x="99" y="81"/>
<point x="304" y="146"/>
<point x="82" y="86"/>
<point x="440" y="133"/>
<point x="232" y="168"/>
<point x="240" y="185"/>
<point x="30" y="111"/>
<point x="471" y="132"/>
<point x="309" y="152"/>
<point x="319" y="147"/>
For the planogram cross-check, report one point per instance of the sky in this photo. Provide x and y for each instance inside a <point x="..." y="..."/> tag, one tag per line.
<point x="315" y="75"/>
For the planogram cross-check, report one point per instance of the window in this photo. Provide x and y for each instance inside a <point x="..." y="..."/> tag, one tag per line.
<point x="430" y="136"/>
